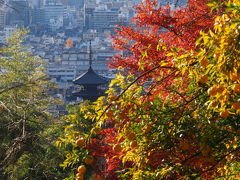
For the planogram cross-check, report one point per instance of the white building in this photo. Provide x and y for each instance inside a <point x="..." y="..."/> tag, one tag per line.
<point x="53" y="13"/>
<point x="61" y="73"/>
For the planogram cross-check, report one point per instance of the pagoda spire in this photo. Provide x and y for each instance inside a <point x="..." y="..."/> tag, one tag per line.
<point x="90" y="54"/>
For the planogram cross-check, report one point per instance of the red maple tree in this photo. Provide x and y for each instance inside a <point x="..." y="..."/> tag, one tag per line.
<point x="158" y="31"/>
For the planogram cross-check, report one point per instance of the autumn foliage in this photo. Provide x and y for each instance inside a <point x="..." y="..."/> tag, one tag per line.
<point x="69" y="43"/>
<point x="173" y="111"/>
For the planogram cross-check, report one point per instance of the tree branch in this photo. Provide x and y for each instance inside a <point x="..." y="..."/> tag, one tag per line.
<point x="138" y="78"/>
<point x="16" y="86"/>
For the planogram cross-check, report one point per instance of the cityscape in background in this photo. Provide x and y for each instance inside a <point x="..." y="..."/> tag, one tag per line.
<point x="55" y="23"/>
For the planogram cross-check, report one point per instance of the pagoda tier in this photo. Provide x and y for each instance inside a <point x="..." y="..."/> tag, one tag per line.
<point x="90" y="78"/>
<point x="89" y="93"/>
<point x="90" y="84"/>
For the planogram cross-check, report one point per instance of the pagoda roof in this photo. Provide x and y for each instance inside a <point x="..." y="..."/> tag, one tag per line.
<point x="90" y="78"/>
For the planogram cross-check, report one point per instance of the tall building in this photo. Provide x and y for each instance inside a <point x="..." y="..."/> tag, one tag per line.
<point x="37" y="16"/>
<point x="19" y="13"/>
<point x="35" y="3"/>
<point x="53" y="11"/>
<point x="76" y="3"/>
<point x="104" y="19"/>
<point x="54" y="15"/>
<point x="88" y="14"/>
<point x="2" y="19"/>
<point x="90" y="2"/>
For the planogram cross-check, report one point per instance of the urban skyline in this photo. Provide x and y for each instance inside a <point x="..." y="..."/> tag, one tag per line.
<point x="52" y="23"/>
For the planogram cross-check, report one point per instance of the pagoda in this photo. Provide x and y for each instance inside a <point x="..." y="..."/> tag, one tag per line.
<point x="91" y="85"/>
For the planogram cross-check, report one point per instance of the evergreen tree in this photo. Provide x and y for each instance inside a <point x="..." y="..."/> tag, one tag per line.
<point x="26" y="126"/>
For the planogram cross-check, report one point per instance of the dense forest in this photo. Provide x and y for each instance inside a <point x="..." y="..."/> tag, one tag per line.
<point x="172" y="111"/>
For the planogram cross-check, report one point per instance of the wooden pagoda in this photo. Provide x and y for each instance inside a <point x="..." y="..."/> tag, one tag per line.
<point x="91" y="84"/>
